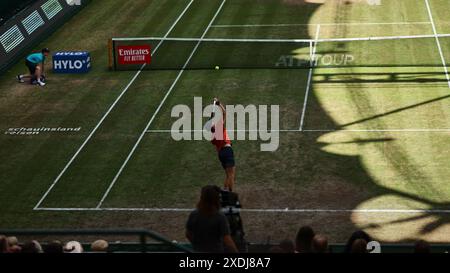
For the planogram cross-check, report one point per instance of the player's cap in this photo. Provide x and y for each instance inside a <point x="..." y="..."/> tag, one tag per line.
<point x="45" y="50"/>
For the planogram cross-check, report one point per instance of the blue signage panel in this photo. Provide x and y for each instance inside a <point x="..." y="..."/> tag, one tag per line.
<point x="74" y="62"/>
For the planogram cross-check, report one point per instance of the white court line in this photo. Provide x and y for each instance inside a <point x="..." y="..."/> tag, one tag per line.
<point x="379" y="130"/>
<point x="160" y="106"/>
<point x="437" y="41"/>
<point x="412" y="130"/>
<point x="286" y="210"/>
<point x="230" y="131"/>
<point x="310" y="74"/>
<point x="108" y="112"/>
<point x="323" y="40"/>
<point x="323" y="24"/>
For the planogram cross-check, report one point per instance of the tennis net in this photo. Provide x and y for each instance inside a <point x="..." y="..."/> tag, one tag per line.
<point x="192" y="53"/>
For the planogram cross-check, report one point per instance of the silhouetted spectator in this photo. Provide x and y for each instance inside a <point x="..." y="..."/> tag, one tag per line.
<point x="99" y="246"/>
<point x="320" y="244"/>
<point x="207" y="227"/>
<point x="359" y="246"/>
<point x="4" y="247"/>
<point x="355" y="236"/>
<point x="54" y="247"/>
<point x="15" y="249"/>
<point x="422" y="246"/>
<point x="32" y="247"/>
<point x="287" y="246"/>
<point x="73" y="247"/>
<point x="303" y="241"/>
<point x="13" y="244"/>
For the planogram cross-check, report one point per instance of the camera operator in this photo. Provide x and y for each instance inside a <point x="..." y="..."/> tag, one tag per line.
<point x="207" y="228"/>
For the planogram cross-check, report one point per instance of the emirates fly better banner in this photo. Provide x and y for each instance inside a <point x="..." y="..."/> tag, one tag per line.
<point x="137" y="54"/>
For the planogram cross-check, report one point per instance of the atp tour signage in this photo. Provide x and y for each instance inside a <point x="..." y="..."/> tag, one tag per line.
<point x="71" y="62"/>
<point x="139" y="54"/>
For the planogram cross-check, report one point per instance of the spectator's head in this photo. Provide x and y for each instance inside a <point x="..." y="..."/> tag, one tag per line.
<point x="54" y="247"/>
<point x="303" y="240"/>
<point x="320" y="244"/>
<point x="99" y="246"/>
<point x="355" y="236"/>
<point x="4" y="247"/>
<point x="209" y="200"/>
<point x="421" y="246"/>
<point x="15" y="249"/>
<point x="32" y="247"/>
<point x="12" y="241"/>
<point x="13" y="244"/>
<point x="287" y="246"/>
<point x="359" y="246"/>
<point x="73" y="247"/>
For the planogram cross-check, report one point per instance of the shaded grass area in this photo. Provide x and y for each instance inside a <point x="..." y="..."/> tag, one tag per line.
<point x="76" y="101"/>
<point x="335" y="170"/>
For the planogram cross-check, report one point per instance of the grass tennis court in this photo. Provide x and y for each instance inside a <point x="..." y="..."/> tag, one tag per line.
<point x="365" y="145"/>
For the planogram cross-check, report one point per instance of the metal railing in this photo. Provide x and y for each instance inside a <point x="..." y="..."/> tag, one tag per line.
<point x="142" y="234"/>
<point x="165" y="245"/>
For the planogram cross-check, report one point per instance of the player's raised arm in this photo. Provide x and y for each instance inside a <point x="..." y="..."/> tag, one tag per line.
<point x="222" y="108"/>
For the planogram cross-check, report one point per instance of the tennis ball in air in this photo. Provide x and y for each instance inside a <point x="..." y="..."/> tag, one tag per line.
<point x="217" y="67"/>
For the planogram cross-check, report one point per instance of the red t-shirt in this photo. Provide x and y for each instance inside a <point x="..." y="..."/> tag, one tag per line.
<point x="220" y="140"/>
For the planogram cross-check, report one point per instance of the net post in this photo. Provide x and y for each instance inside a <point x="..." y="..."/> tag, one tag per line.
<point x="110" y="54"/>
<point x="311" y="53"/>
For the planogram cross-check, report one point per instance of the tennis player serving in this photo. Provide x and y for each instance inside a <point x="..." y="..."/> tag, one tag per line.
<point x="221" y="140"/>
